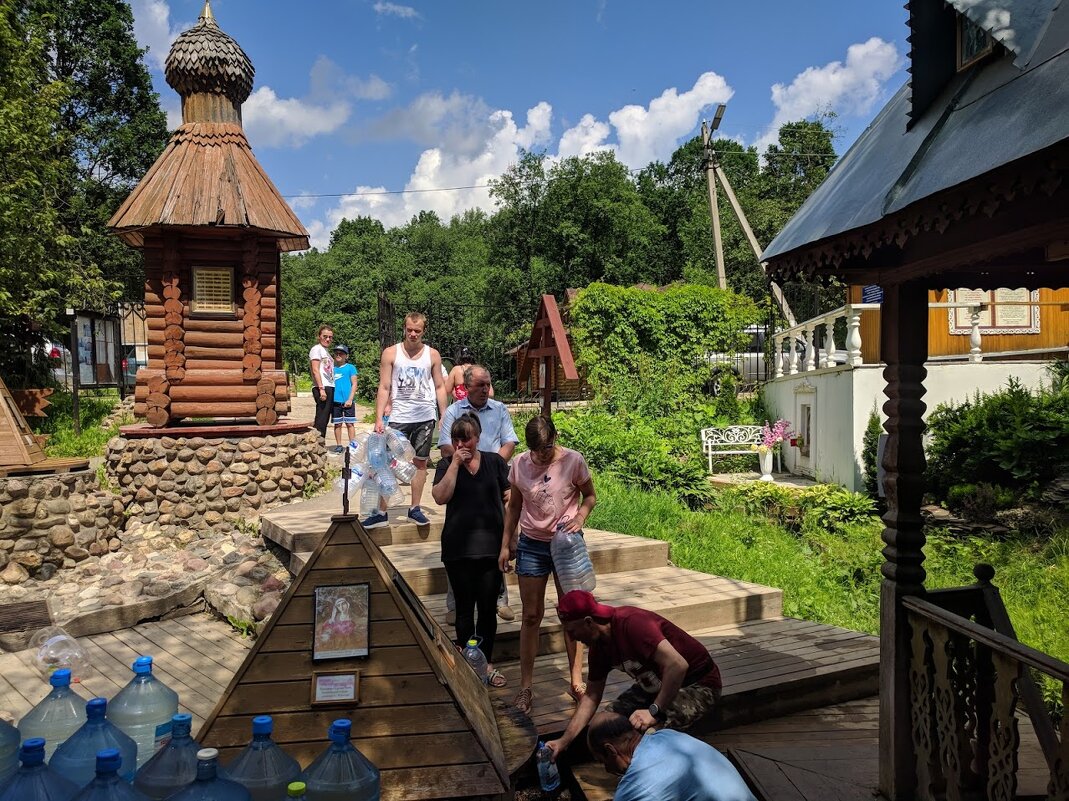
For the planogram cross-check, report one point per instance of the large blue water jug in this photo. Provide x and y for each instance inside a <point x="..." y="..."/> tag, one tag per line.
<point x="144" y="709"/>
<point x="9" y="751"/>
<point x="571" y="560"/>
<point x="57" y="717"/>
<point x="262" y="768"/>
<point x="341" y="773"/>
<point x="35" y="781"/>
<point x="209" y="785"/>
<point x="107" y="785"/>
<point x="77" y="757"/>
<point x="173" y="766"/>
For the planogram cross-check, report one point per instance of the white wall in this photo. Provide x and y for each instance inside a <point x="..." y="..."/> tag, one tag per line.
<point x="842" y="400"/>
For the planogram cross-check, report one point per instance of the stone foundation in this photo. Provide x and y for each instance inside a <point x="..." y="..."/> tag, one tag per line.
<point x="200" y="484"/>
<point x="49" y="522"/>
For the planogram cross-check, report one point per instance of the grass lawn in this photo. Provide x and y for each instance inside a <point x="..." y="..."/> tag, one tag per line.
<point x="59" y="424"/>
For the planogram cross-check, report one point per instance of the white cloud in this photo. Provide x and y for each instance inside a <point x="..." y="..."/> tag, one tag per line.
<point x="395" y="10"/>
<point x="305" y="200"/>
<point x="328" y="80"/>
<point x="851" y="88"/>
<point x="274" y="121"/>
<point x="456" y="122"/>
<point x="153" y="29"/>
<point x="585" y="137"/>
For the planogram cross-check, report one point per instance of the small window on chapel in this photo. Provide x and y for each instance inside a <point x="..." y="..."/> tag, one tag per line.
<point x="973" y="42"/>
<point x="213" y="290"/>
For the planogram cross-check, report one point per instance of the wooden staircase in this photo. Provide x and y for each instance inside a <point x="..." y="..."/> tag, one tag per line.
<point x="771" y="665"/>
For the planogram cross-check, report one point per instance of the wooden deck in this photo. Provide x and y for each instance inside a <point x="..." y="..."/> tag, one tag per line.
<point x="195" y="655"/>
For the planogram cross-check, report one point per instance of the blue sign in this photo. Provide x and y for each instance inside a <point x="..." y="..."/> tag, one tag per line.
<point x="872" y="293"/>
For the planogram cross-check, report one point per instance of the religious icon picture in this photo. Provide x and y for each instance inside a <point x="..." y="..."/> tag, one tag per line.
<point x="341" y="621"/>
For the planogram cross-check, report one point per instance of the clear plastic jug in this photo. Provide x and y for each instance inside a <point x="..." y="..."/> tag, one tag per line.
<point x="76" y="758"/>
<point x="173" y="766"/>
<point x="35" y="781"/>
<point x="107" y="785"/>
<point x="53" y="648"/>
<point x="262" y="768"/>
<point x="571" y="561"/>
<point x="144" y="709"/>
<point x="341" y="773"/>
<point x="399" y="445"/>
<point x="404" y="470"/>
<point x="9" y="751"/>
<point x="57" y="717"/>
<point x="388" y="487"/>
<point x="369" y="498"/>
<point x="376" y="451"/>
<point x="209" y="785"/>
<point x="474" y="656"/>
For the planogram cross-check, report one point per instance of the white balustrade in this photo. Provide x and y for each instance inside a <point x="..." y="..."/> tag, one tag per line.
<point x="853" y="336"/>
<point x="976" y="353"/>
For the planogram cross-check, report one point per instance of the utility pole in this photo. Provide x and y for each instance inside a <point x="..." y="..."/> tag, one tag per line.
<point x="714" y="207"/>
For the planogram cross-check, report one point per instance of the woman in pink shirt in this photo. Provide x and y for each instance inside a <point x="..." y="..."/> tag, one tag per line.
<point x="550" y="487"/>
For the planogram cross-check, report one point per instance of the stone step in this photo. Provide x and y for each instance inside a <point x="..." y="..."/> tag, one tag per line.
<point x="690" y="599"/>
<point x="422" y="567"/>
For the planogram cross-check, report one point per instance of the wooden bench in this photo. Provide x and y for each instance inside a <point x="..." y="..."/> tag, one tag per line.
<point x="731" y="441"/>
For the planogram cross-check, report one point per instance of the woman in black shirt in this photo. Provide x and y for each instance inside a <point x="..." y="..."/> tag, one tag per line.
<point x="473" y="486"/>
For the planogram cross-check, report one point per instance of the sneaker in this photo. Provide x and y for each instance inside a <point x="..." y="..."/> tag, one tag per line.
<point x="415" y="514"/>
<point x="505" y="613"/>
<point x="377" y="520"/>
<point x="451" y="617"/>
<point x="337" y="449"/>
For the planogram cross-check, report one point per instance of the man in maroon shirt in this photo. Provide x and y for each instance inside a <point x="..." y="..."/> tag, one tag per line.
<point x="676" y="680"/>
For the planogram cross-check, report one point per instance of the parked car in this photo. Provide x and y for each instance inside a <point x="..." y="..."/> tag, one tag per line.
<point x="59" y="361"/>
<point x="130" y="366"/>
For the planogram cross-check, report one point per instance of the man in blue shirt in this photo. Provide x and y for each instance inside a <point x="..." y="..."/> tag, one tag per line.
<point x="498" y="436"/>
<point x="664" y="765"/>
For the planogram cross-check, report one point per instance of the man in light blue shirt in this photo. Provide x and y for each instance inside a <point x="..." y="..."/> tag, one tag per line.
<point x="664" y="765"/>
<point x="498" y="436"/>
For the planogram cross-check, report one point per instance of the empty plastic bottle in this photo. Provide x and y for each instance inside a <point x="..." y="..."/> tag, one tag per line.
<point x="57" y="717"/>
<point x="548" y="775"/>
<point x="341" y="773"/>
<point x="369" y="497"/>
<point x="295" y="790"/>
<point x="388" y="487"/>
<point x="173" y="766"/>
<point x="399" y="445"/>
<point x="144" y="709"/>
<point x="571" y="561"/>
<point x="53" y="648"/>
<point x="264" y="769"/>
<point x="76" y="758"/>
<point x="474" y="656"/>
<point x="9" y="751"/>
<point x="209" y="785"/>
<point x="36" y="781"/>
<point x="107" y="785"/>
<point x="403" y="470"/>
<point x="358" y="450"/>
<point x="376" y="451"/>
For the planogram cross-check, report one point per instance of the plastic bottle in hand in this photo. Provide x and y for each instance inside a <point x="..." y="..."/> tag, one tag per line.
<point x="174" y="766"/>
<point x="399" y="445"/>
<point x="9" y="751"/>
<point x="376" y="451"/>
<point x="107" y="785"/>
<point x="209" y="785"/>
<point x="144" y="709"/>
<point x="35" y="781"/>
<point x="53" y="648"/>
<point x="57" y="717"/>
<point x="475" y="657"/>
<point x="341" y="773"/>
<point x="262" y="768"/>
<point x="403" y="470"/>
<point x="369" y="497"/>
<point x="571" y="561"/>
<point x="77" y="757"/>
<point x="548" y="775"/>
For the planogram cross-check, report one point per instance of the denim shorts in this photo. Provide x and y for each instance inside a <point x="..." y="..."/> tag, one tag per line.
<point x="533" y="558"/>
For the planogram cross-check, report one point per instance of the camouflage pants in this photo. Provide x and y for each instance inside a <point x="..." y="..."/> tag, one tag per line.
<point x="690" y="705"/>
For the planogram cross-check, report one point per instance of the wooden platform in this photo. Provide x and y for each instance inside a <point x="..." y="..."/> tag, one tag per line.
<point x="45" y="467"/>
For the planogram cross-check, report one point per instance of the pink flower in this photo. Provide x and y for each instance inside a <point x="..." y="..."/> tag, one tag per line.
<point x="776" y="433"/>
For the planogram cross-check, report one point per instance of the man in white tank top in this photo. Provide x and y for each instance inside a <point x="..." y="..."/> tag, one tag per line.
<point x="411" y="384"/>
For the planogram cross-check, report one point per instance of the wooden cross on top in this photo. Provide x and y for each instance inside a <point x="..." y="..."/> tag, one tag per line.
<point x="549" y="341"/>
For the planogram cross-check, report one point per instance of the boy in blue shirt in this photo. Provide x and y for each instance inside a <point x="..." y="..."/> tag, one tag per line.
<point x="344" y="396"/>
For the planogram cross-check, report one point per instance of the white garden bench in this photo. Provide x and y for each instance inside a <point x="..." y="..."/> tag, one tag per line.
<point x="731" y="441"/>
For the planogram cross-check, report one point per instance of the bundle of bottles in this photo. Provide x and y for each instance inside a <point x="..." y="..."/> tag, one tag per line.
<point x="138" y="747"/>
<point x="380" y="464"/>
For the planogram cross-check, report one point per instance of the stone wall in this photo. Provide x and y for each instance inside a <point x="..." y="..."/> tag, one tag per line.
<point x="198" y="484"/>
<point x="49" y="522"/>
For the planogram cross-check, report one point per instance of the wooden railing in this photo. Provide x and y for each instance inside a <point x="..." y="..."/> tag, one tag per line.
<point x="968" y="680"/>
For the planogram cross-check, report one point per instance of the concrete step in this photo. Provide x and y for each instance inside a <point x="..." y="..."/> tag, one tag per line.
<point x="421" y="563"/>
<point x="690" y="599"/>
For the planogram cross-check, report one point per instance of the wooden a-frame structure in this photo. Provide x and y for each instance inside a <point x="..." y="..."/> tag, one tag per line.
<point x="549" y="342"/>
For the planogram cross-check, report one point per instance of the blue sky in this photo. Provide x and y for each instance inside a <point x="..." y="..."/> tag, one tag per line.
<point x="354" y="98"/>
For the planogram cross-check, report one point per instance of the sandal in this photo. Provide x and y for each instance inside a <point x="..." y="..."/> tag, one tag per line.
<point x="577" y="691"/>
<point x="524" y="700"/>
<point x="495" y="678"/>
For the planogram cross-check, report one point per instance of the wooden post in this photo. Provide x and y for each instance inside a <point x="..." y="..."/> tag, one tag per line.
<point x="904" y="345"/>
<point x="714" y="208"/>
<point x="550" y="363"/>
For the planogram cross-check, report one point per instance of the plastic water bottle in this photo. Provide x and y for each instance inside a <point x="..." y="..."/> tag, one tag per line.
<point x="209" y="785"/>
<point x="399" y="445"/>
<point x="376" y="451"/>
<point x="264" y="769"/>
<point x="77" y="757"/>
<point x="474" y="656"/>
<point x="295" y="790"/>
<point x="548" y="775"/>
<point x="358" y="450"/>
<point x="341" y="773"/>
<point x="107" y="785"/>
<point x="57" y="717"/>
<point x="388" y="487"/>
<point x="356" y="480"/>
<point x="571" y="561"/>
<point x="144" y="709"/>
<point x="53" y="648"/>
<point x="369" y="498"/>
<point x="35" y="781"/>
<point x="403" y="470"/>
<point x="9" y="751"/>
<point x="174" y="766"/>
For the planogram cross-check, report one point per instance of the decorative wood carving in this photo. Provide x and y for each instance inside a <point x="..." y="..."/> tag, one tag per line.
<point x="920" y="679"/>
<point x="1005" y="738"/>
<point x="1058" y="789"/>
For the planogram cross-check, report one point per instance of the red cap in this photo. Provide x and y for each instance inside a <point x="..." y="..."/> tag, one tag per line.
<point x="577" y="604"/>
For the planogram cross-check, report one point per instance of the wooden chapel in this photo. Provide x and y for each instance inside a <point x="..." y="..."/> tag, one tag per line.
<point x="211" y="226"/>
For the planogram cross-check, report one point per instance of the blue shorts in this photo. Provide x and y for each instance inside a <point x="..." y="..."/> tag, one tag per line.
<point x="342" y="415"/>
<point x="533" y="558"/>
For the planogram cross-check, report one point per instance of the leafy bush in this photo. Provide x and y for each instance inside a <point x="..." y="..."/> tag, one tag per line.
<point x="978" y="502"/>
<point x="59" y="425"/>
<point x="870" y="445"/>
<point x="824" y="506"/>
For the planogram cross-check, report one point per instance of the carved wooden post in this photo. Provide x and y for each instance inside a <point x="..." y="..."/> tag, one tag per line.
<point x="904" y="345"/>
<point x="853" y="337"/>
<point x="810" y="334"/>
<point x="976" y="353"/>
<point x="792" y="357"/>
<point x="777" y="354"/>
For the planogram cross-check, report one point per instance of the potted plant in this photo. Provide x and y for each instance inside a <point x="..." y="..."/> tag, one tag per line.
<point x="772" y="440"/>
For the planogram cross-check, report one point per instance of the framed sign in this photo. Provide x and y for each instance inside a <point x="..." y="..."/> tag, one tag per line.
<point x="335" y="688"/>
<point x="1006" y="311"/>
<point x="341" y="621"/>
